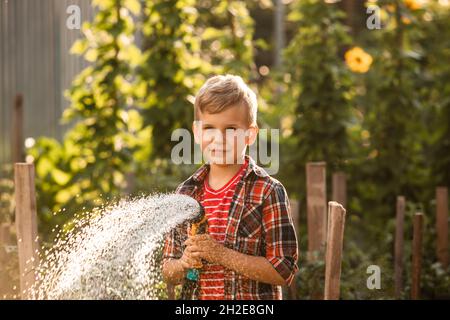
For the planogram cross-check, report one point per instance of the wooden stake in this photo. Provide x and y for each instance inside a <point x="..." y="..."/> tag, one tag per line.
<point x="398" y="254"/>
<point x="417" y="255"/>
<point x="442" y="225"/>
<point x="295" y="212"/>
<point x="316" y="209"/>
<point x="5" y="240"/>
<point x="17" y="146"/>
<point x="335" y="238"/>
<point x="340" y="188"/>
<point x="26" y="224"/>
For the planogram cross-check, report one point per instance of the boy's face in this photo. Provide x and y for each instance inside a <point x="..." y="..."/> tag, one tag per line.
<point x="223" y="137"/>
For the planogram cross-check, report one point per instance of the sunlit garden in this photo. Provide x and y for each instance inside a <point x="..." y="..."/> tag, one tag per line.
<point x="360" y="89"/>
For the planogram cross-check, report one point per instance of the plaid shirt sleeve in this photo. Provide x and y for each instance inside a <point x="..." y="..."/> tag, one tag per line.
<point x="173" y="244"/>
<point x="280" y="236"/>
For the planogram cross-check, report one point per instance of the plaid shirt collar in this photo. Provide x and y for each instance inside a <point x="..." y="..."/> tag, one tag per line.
<point x="200" y="175"/>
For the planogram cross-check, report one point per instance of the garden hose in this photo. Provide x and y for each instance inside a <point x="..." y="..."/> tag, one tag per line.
<point x="199" y="225"/>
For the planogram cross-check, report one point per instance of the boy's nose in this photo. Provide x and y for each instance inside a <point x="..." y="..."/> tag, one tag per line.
<point x="217" y="137"/>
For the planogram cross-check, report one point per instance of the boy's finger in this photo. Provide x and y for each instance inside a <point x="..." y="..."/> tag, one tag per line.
<point x="189" y="247"/>
<point x="200" y="237"/>
<point x="194" y="248"/>
<point x="196" y="254"/>
<point x="204" y="242"/>
<point x="184" y="264"/>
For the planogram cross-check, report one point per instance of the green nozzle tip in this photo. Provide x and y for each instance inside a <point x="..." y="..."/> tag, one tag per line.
<point x="192" y="274"/>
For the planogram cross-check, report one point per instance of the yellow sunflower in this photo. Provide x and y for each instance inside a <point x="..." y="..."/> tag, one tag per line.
<point x="358" y="60"/>
<point x="413" y="4"/>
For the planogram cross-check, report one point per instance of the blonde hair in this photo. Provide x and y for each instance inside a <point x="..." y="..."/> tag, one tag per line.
<point x="221" y="92"/>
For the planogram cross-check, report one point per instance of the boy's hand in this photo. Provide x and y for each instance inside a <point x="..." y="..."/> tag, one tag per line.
<point x="205" y="247"/>
<point x="190" y="260"/>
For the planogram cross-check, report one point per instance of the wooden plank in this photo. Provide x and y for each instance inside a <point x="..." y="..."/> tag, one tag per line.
<point x="442" y="225"/>
<point x="349" y="7"/>
<point x="26" y="224"/>
<point x="417" y="255"/>
<point x="5" y="240"/>
<point x="316" y="209"/>
<point x="333" y="260"/>
<point x="340" y="188"/>
<point x="398" y="250"/>
<point x="17" y="141"/>
<point x="295" y="213"/>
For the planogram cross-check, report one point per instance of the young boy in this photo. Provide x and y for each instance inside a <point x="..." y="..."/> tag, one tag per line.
<point x="250" y="249"/>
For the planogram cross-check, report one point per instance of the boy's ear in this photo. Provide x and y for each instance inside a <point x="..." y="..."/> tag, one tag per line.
<point x="252" y="134"/>
<point x="196" y="129"/>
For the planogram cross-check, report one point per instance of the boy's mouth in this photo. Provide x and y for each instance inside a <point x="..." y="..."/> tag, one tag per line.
<point x="220" y="150"/>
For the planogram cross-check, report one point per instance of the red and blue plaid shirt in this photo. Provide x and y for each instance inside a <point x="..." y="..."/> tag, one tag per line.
<point x="259" y="224"/>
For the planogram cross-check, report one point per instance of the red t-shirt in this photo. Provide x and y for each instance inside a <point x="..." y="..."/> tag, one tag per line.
<point x="217" y="205"/>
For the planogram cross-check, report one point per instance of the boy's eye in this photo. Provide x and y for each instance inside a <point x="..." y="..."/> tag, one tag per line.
<point x="231" y="128"/>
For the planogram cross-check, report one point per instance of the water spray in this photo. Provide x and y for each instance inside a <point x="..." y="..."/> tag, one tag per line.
<point x="115" y="253"/>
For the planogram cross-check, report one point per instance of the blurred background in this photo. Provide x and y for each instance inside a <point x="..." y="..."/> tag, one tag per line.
<point x="91" y="91"/>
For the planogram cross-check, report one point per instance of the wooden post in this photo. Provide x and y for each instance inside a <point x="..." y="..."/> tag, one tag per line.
<point x="26" y="224"/>
<point x="17" y="141"/>
<point x="316" y="195"/>
<point x="335" y="239"/>
<point x="442" y="225"/>
<point x="398" y="253"/>
<point x="5" y="241"/>
<point x="295" y="212"/>
<point x="417" y="255"/>
<point x="340" y="188"/>
<point x="350" y="8"/>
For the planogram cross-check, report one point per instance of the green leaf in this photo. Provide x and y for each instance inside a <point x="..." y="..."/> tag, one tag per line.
<point x="133" y="5"/>
<point x="60" y="177"/>
<point x="79" y="47"/>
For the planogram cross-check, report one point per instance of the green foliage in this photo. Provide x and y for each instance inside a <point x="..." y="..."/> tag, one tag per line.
<point x="96" y="152"/>
<point x="171" y="71"/>
<point x="387" y="128"/>
<point x="321" y="81"/>
<point x="320" y="87"/>
<point x="434" y="40"/>
<point x="148" y="59"/>
<point x="391" y="88"/>
<point x="226" y="29"/>
<point x="184" y="42"/>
